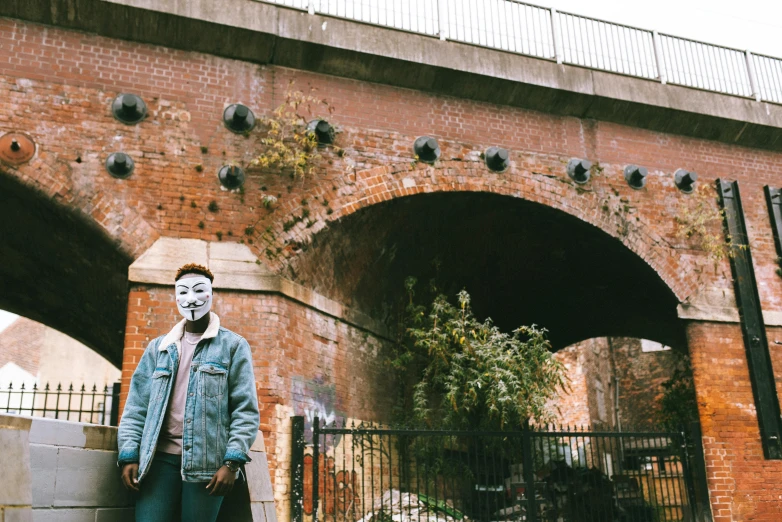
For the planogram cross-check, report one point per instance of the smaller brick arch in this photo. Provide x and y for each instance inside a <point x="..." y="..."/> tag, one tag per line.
<point x="66" y="254"/>
<point x="363" y="189"/>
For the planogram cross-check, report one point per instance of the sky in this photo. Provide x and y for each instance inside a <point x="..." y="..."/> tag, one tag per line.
<point x="6" y="318"/>
<point x="754" y="25"/>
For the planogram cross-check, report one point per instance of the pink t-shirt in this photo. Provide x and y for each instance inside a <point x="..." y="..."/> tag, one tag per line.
<point x="170" y="440"/>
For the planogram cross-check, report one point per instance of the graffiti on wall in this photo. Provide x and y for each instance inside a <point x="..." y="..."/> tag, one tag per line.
<point x="338" y="491"/>
<point x="315" y="398"/>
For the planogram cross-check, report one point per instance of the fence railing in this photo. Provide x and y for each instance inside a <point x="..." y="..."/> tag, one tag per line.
<point x="81" y="404"/>
<point x="381" y="474"/>
<point x="545" y="33"/>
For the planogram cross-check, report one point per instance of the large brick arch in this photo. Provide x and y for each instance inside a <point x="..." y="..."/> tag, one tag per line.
<point x="353" y="192"/>
<point x="360" y="206"/>
<point x="65" y="253"/>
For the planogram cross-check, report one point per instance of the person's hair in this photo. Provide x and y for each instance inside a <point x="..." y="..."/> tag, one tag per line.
<point x="193" y="268"/>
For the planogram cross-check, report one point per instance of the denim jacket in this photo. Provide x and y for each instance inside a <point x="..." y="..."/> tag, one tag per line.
<point x="221" y="409"/>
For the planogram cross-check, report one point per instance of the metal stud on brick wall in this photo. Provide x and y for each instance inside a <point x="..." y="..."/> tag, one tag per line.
<point x="231" y="176"/>
<point x="636" y="176"/>
<point x="427" y="149"/>
<point x="578" y="170"/>
<point x="497" y="158"/>
<point x="128" y="109"/>
<point x="685" y="180"/>
<point x="238" y="118"/>
<point x="323" y="130"/>
<point x="120" y="165"/>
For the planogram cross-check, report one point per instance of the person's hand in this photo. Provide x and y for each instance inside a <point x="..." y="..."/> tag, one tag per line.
<point x="222" y="482"/>
<point x="130" y="476"/>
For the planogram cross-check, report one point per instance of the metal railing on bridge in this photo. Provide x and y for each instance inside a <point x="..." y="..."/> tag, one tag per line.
<point x="548" y="34"/>
<point x="80" y="404"/>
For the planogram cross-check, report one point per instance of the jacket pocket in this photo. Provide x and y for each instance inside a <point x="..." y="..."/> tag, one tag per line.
<point x="213" y="380"/>
<point x="160" y="380"/>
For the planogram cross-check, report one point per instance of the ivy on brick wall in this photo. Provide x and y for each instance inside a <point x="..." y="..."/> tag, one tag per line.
<point x="462" y="372"/>
<point x="678" y="404"/>
<point x="288" y="145"/>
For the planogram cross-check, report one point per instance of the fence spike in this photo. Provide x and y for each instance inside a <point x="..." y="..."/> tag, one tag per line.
<point x="35" y="386"/>
<point x="70" y="387"/>
<point x="83" y="389"/>
<point x="59" y="386"/>
<point x="22" y="386"/>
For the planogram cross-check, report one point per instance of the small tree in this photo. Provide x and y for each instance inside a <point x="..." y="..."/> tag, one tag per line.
<point x="465" y="373"/>
<point x="678" y="404"/>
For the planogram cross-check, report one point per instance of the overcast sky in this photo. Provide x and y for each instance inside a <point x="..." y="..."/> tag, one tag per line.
<point x="743" y="24"/>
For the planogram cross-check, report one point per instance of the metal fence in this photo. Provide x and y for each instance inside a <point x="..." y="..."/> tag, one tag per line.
<point x="81" y="404"/>
<point x="380" y="474"/>
<point x="548" y="34"/>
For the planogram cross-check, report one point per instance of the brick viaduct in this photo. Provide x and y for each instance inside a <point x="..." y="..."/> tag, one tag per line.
<point x="93" y="256"/>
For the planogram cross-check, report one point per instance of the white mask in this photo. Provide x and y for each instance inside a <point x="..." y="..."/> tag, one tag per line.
<point x="193" y="297"/>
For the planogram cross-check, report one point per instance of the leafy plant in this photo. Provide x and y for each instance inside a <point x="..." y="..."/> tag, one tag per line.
<point x="289" y="145"/>
<point x="700" y="218"/>
<point x="678" y="404"/>
<point x="466" y="373"/>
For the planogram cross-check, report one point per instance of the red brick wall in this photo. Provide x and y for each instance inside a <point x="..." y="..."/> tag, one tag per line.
<point x="57" y="85"/>
<point x="294" y="348"/>
<point x="743" y="485"/>
<point x="20" y="343"/>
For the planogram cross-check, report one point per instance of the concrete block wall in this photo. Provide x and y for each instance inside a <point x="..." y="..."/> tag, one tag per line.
<point x="60" y="471"/>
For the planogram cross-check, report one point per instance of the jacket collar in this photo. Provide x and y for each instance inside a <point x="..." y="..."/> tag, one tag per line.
<point x="175" y="335"/>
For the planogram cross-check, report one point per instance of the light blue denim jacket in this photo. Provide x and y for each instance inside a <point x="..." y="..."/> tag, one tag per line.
<point x="221" y="410"/>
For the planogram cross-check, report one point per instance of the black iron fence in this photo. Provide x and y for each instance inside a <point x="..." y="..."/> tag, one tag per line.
<point x="381" y="474"/>
<point x="81" y="404"/>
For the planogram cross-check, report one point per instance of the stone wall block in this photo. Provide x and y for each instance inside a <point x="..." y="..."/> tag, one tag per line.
<point x="43" y="463"/>
<point x="78" y="474"/>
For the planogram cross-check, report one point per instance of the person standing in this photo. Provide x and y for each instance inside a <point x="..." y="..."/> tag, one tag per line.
<point x="191" y="414"/>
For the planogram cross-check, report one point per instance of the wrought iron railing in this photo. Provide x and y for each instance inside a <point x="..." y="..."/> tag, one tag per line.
<point x="81" y="404"/>
<point x="380" y="474"/>
<point x="545" y="33"/>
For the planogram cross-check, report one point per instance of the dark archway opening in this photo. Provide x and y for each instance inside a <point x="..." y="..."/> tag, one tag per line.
<point x="61" y="270"/>
<point x="522" y="263"/>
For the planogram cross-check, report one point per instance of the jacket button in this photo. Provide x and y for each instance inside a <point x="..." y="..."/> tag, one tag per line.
<point x="187" y="447"/>
<point x="189" y="421"/>
<point x="191" y="394"/>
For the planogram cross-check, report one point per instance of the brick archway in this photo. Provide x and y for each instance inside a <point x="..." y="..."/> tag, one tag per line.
<point x="65" y="254"/>
<point x="352" y="192"/>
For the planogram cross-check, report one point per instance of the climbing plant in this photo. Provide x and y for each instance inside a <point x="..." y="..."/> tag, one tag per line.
<point x="466" y="373"/>
<point x="700" y="218"/>
<point x="289" y="145"/>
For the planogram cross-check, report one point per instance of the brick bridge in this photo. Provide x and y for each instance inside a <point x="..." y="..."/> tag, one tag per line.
<point x="311" y="280"/>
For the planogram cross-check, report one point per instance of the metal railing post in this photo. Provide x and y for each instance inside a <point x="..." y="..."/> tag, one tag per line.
<point x="555" y="36"/>
<point x="442" y="20"/>
<point x="753" y="83"/>
<point x="528" y="473"/>
<point x="114" y="416"/>
<point x="658" y="58"/>
<point x="297" y="468"/>
<point x="315" y="467"/>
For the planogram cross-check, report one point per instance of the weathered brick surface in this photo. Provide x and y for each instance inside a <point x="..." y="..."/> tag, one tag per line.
<point x="307" y="361"/>
<point x="57" y="85"/>
<point x="592" y="366"/>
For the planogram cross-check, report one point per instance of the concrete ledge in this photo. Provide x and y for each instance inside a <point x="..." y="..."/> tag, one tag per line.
<point x="718" y="305"/>
<point x="236" y="268"/>
<point x="263" y="33"/>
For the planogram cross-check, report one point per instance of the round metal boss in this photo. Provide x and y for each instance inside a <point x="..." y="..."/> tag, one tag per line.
<point x="129" y="109"/>
<point x="323" y="130"/>
<point x="230" y="176"/>
<point x="497" y="158"/>
<point x="636" y="176"/>
<point x="685" y="180"/>
<point x="120" y="165"/>
<point x="16" y="148"/>
<point x="578" y="170"/>
<point x="427" y="149"/>
<point x="238" y="118"/>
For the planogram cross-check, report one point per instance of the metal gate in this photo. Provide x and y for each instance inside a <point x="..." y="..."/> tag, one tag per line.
<point x="372" y="473"/>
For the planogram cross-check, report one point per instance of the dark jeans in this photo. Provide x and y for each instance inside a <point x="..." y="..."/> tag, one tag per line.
<point x="163" y="494"/>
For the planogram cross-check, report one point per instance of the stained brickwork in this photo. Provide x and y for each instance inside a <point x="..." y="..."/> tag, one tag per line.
<point x="56" y="85"/>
